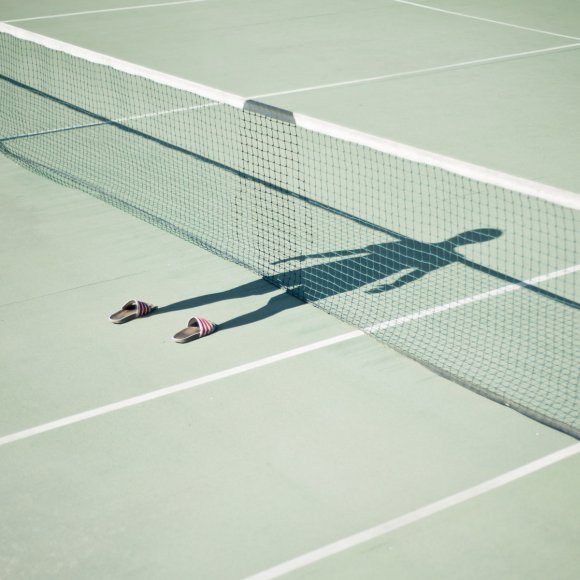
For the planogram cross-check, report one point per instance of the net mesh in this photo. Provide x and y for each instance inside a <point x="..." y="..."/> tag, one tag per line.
<point x="474" y="281"/>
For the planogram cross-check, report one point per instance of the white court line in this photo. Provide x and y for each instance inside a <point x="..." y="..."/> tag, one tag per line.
<point x="420" y="71"/>
<point x="416" y="515"/>
<point x="313" y="88"/>
<point x="485" y="19"/>
<point x="472" y="299"/>
<point x="99" y="411"/>
<point x="325" y="86"/>
<point x="160" y="5"/>
<point x="106" y="123"/>
<point x="106" y="409"/>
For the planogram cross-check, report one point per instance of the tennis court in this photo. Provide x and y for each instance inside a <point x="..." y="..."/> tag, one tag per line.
<point x="392" y="390"/>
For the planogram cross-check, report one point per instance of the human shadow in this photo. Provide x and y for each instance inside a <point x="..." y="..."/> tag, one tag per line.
<point x="374" y="269"/>
<point x="276" y="304"/>
<point x="403" y="261"/>
<point x="410" y="258"/>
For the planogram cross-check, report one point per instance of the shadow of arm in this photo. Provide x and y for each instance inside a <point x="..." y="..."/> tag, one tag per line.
<point x="402" y="281"/>
<point x="333" y="254"/>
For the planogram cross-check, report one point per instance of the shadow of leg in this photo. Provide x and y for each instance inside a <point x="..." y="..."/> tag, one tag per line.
<point x="275" y="305"/>
<point x="254" y="288"/>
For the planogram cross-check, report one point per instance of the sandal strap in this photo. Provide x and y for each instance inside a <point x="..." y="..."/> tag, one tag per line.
<point x="205" y="326"/>
<point x="141" y="308"/>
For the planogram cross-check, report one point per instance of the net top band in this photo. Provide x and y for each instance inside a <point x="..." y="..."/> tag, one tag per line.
<point x="470" y="171"/>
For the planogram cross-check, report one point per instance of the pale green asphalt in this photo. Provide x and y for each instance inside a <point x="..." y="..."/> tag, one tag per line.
<point x="245" y="473"/>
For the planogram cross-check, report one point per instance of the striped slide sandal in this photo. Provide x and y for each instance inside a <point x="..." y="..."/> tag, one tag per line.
<point x="196" y="328"/>
<point x="131" y="310"/>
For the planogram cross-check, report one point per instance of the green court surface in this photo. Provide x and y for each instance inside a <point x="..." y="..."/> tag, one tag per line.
<point x="288" y="445"/>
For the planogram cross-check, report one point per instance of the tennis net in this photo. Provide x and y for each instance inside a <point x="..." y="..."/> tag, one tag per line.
<point x="469" y="271"/>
